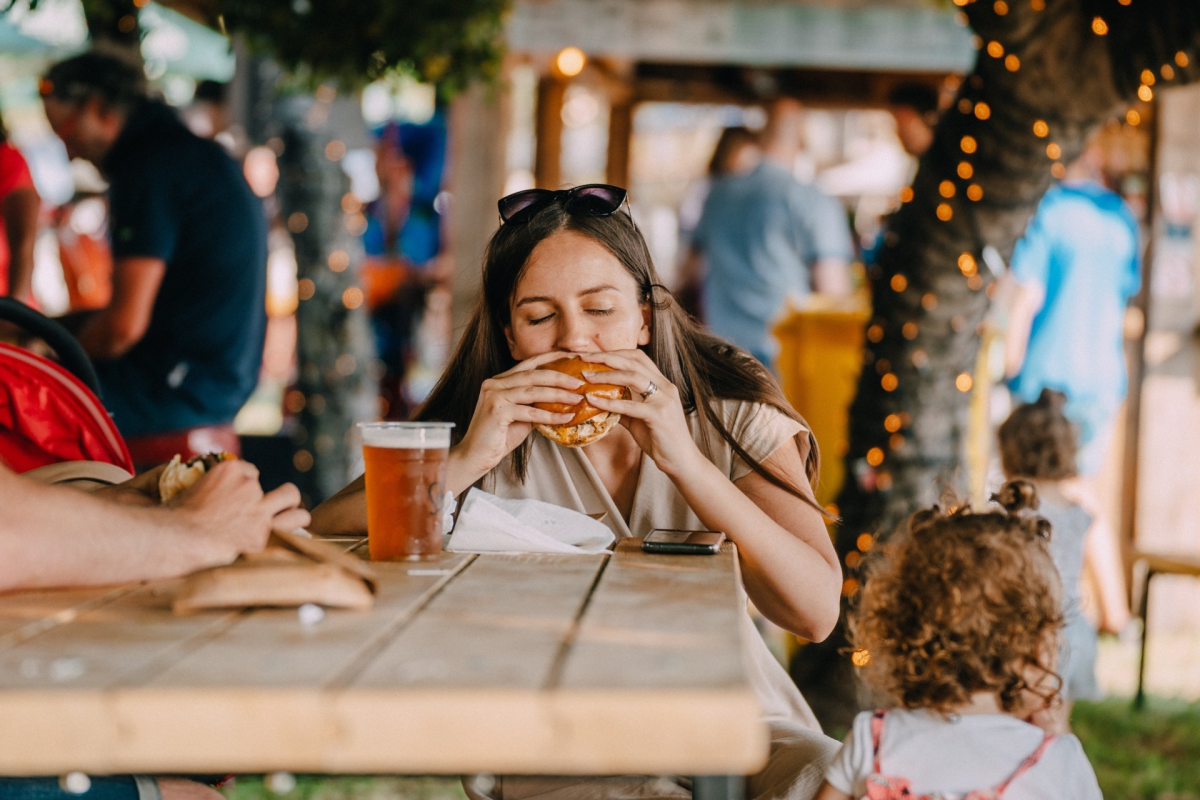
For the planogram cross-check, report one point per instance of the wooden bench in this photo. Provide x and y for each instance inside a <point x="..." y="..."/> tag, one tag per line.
<point x="1146" y="567"/>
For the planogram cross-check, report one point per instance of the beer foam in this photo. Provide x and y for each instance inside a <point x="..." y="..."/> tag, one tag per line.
<point x="406" y="435"/>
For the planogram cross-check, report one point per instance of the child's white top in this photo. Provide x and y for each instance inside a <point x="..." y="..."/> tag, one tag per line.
<point x="963" y="754"/>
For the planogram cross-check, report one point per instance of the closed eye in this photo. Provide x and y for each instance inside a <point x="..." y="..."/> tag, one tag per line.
<point x="600" y="312"/>
<point x="540" y="320"/>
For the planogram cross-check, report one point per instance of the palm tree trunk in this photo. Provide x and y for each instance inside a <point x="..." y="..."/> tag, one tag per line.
<point x="1049" y="71"/>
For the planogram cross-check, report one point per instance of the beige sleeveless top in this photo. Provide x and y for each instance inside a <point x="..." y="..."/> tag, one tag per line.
<point x="563" y="476"/>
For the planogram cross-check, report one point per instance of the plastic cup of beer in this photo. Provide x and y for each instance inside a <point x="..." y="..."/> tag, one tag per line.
<point x="405" y="481"/>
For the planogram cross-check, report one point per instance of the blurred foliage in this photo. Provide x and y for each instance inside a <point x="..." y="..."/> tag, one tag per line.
<point x="1152" y="754"/>
<point x="447" y="42"/>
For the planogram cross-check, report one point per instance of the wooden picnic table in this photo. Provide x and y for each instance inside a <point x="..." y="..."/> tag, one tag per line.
<point x="622" y="663"/>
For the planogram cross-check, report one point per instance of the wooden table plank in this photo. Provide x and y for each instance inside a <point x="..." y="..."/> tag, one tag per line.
<point x="272" y="648"/>
<point x="27" y="614"/>
<point x="500" y="624"/>
<point x="119" y="641"/>
<point x="661" y="621"/>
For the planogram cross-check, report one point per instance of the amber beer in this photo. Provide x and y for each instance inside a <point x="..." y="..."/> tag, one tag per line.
<point x="405" y="481"/>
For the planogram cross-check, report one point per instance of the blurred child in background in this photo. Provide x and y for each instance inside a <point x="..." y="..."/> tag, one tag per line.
<point x="1038" y="443"/>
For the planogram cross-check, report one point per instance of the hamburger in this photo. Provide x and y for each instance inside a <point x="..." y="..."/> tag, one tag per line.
<point x="589" y="424"/>
<point x="180" y="474"/>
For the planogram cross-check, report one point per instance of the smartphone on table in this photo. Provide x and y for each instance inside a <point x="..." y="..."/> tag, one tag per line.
<point x="662" y="540"/>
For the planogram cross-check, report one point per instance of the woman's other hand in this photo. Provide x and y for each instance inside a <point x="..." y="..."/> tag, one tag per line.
<point x="656" y="421"/>
<point x="505" y="414"/>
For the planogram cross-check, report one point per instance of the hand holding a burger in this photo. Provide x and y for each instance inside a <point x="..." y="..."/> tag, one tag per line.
<point x="651" y="410"/>
<point x="506" y="413"/>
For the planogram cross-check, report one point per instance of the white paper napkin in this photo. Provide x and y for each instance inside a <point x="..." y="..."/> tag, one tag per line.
<point x="490" y="524"/>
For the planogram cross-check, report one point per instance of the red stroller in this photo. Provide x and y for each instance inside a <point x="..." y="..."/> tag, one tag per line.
<point x="51" y="413"/>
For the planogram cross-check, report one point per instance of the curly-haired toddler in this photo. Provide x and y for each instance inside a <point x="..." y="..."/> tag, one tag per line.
<point x="958" y="625"/>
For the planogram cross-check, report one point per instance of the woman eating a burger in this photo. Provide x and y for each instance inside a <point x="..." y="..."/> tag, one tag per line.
<point x="677" y="430"/>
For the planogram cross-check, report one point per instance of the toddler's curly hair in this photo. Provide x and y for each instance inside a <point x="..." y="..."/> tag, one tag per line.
<point x="963" y="602"/>
<point x="1038" y="441"/>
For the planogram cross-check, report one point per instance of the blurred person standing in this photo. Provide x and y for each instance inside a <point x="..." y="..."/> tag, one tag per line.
<point x="767" y="238"/>
<point x="404" y="247"/>
<point x="914" y="107"/>
<point x="179" y="346"/>
<point x="19" y="204"/>
<point x="737" y="152"/>
<point x="1074" y="272"/>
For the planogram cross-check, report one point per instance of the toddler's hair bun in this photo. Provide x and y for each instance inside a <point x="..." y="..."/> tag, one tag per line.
<point x="1016" y="496"/>
<point x="1052" y="399"/>
<point x="924" y="519"/>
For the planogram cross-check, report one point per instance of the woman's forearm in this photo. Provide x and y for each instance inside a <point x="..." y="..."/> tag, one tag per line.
<point x="789" y="581"/>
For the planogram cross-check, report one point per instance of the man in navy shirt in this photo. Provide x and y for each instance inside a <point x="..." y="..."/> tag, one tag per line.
<point x="180" y="344"/>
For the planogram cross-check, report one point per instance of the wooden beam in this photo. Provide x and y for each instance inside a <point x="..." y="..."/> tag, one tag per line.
<point x="1136" y="354"/>
<point x="620" y="131"/>
<point x="547" y="160"/>
<point x="479" y="122"/>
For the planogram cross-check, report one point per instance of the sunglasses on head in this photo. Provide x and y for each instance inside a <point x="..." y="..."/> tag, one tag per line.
<point x="589" y="200"/>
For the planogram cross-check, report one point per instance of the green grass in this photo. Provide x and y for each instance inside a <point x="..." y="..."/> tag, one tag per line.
<point x="320" y="787"/>
<point x="1153" y="754"/>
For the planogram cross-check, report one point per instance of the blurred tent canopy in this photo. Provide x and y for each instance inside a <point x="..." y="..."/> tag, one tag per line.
<point x="171" y="43"/>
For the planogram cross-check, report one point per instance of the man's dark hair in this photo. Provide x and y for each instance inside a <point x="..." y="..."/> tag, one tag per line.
<point x="211" y="92"/>
<point x="117" y="83"/>
<point x="921" y="97"/>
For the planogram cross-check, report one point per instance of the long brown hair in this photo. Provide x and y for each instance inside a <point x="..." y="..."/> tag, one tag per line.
<point x="703" y="367"/>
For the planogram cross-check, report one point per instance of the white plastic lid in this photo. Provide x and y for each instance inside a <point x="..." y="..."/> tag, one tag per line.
<point x="406" y="435"/>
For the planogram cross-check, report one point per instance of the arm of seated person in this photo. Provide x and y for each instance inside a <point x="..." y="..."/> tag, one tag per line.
<point x="140" y="490"/>
<point x="53" y="536"/>
<point x="112" y="332"/>
<point x="344" y="514"/>
<point x="791" y="570"/>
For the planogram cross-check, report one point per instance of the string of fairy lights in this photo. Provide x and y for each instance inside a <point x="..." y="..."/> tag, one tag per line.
<point x="948" y="194"/>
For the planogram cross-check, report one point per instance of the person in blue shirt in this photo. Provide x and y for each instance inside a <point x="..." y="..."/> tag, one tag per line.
<point x="767" y="238"/>
<point x="1075" y="270"/>
<point x="404" y="248"/>
<point x="180" y="344"/>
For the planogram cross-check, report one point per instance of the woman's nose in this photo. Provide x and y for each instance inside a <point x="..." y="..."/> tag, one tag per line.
<point x="573" y="333"/>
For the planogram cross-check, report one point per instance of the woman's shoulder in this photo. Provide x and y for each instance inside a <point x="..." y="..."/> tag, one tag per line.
<point x="748" y="415"/>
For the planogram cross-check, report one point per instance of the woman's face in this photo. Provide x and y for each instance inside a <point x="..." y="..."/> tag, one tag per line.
<point x="577" y="297"/>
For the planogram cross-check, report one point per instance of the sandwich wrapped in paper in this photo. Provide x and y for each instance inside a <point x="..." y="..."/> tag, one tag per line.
<point x="291" y="571"/>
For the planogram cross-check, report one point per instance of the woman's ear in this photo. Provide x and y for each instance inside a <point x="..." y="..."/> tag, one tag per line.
<point x="644" y="333"/>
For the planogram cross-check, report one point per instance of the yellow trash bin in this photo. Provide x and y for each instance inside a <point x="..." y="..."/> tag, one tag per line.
<point x="820" y="358"/>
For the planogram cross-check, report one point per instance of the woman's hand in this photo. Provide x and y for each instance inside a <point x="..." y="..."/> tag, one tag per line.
<point x="657" y="421"/>
<point x="505" y="415"/>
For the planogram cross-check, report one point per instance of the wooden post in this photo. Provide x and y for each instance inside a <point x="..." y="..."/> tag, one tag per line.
<point x="620" y="131"/>
<point x="547" y="162"/>
<point x="478" y="131"/>
<point x="1136" y="350"/>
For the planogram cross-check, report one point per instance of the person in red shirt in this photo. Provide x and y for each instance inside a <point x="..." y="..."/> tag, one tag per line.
<point x="19" y="205"/>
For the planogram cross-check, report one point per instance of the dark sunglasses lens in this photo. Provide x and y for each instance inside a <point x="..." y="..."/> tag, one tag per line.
<point x="517" y="202"/>
<point x="597" y="201"/>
